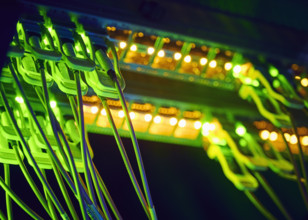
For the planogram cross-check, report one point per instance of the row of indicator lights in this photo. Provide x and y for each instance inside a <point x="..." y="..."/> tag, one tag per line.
<point x="148" y="117"/>
<point x="187" y="59"/>
<point x="273" y="136"/>
<point x="20" y="100"/>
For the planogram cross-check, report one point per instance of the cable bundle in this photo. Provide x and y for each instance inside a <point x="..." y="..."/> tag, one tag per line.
<point x="45" y="136"/>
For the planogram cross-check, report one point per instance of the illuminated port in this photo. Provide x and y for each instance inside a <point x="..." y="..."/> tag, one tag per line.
<point x="187" y="59"/>
<point x="122" y="44"/>
<point x="264" y="134"/>
<point x="161" y="53"/>
<point x="132" y="115"/>
<point x="304" y="82"/>
<point x="188" y="128"/>
<point x="293" y="139"/>
<point x="273" y="136"/>
<point x="177" y="56"/>
<point x="141" y="121"/>
<point x="182" y="123"/>
<point x="213" y="64"/>
<point x="203" y="61"/>
<point x="228" y="66"/>
<point x="133" y="47"/>
<point x="305" y="140"/>
<point x="287" y="136"/>
<point x="103" y="112"/>
<point x="94" y="110"/>
<point x="173" y="121"/>
<point x="102" y="120"/>
<point x="208" y="126"/>
<point x="148" y="117"/>
<point x="197" y="125"/>
<point x="89" y="113"/>
<point x="151" y="50"/>
<point x="121" y="114"/>
<point x="162" y="125"/>
<point x="157" y="119"/>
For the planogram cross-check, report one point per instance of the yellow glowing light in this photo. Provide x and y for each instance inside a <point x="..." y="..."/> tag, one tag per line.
<point x="148" y="117"/>
<point x="19" y="99"/>
<point x="151" y="50"/>
<point x="182" y="123"/>
<point x="228" y="66"/>
<point x="273" y="136"/>
<point x="197" y="125"/>
<point x="132" y="115"/>
<point x="187" y="59"/>
<point x="264" y="134"/>
<point x="293" y="139"/>
<point x="305" y="140"/>
<point x="53" y="104"/>
<point x="237" y="69"/>
<point x="287" y="136"/>
<point x="304" y="82"/>
<point x="173" y="121"/>
<point x="103" y="112"/>
<point x="161" y="53"/>
<point x="45" y="41"/>
<point x="133" y="47"/>
<point x="157" y="119"/>
<point x="94" y="110"/>
<point x="215" y="140"/>
<point x="121" y="114"/>
<point x="297" y="77"/>
<point x="213" y="64"/>
<point x="122" y="44"/>
<point x="203" y="61"/>
<point x="212" y="127"/>
<point x="205" y="133"/>
<point x="177" y="56"/>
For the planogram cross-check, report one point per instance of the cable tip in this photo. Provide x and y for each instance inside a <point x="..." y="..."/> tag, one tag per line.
<point x="153" y="213"/>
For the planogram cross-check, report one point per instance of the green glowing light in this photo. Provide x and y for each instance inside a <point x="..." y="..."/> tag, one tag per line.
<point x="223" y="142"/>
<point x="273" y="71"/>
<point x="19" y="99"/>
<point x="243" y="142"/>
<point x="53" y="104"/>
<point x="237" y="69"/>
<point x="255" y="83"/>
<point x="240" y="130"/>
<point x="248" y="80"/>
<point x="276" y="83"/>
